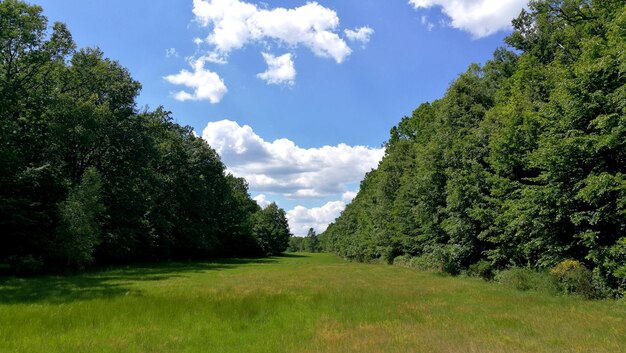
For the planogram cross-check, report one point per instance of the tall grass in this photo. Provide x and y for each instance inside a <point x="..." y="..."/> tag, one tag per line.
<point x="296" y="303"/>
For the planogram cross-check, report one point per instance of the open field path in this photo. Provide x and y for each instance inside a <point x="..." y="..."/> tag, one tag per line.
<point x="296" y="303"/>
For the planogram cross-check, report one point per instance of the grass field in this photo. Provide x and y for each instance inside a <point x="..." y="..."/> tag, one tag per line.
<point x="296" y="303"/>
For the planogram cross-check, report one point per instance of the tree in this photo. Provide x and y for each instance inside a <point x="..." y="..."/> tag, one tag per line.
<point x="296" y="244"/>
<point x="521" y="163"/>
<point x="87" y="178"/>
<point x="271" y="230"/>
<point x="311" y="242"/>
<point x="79" y="228"/>
<point x="30" y="185"/>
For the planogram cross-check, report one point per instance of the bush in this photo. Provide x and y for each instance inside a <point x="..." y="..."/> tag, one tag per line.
<point x="387" y="254"/>
<point x="428" y="262"/>
<point x="568" y="277"/>
<point x="402" y="260"/>
<point x="481" y="269"/>
<point x="527" y="279"/>
<point x="26" y="265"/>
<point x="422" y="263"/>
<point x="439" y="259"/>
<point x="573" y="277"/>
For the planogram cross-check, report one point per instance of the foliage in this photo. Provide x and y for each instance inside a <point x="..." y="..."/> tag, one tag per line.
<point x="482" y="269"/>
<point x="87" y="178"/>
<point x="271" y="230"/>
<point x="521" y="163"/>
<point x="573" y="277"/>
<point x="80" y="231"/>
<point x="296" y="244"/>
<point x="310" y="243"/>
<point x="527" y="279"/>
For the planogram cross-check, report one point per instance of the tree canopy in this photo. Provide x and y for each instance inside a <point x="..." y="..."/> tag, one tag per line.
<point x="86" y="177"/>
<point x="521" y="163"/>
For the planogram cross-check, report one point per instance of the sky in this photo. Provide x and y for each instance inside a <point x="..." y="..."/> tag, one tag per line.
<point x="296" y="96"/>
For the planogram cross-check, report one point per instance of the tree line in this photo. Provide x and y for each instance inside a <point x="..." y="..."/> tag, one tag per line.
<point x="309" y="243"/>
<point x="88" y="178"/>
<point x="522" y="163"/>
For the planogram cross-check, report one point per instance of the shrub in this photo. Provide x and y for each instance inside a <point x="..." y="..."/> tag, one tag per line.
<point x="26" y="265"/>
<point x="439" y="259"/>
<point x="387" y="254"/>
<point x="482" y="269"/>
<point x="402" y="260"/>
<point x="442" y="259"/>
<point x="527" y="279"/>
<point x="574" y="278"/>
<point x="426" y="262"/>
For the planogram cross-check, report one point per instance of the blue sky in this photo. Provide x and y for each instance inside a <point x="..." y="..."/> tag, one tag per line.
<point x="296" y="96"/>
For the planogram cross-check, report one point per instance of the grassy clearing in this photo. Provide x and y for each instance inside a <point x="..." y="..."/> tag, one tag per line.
<point x="296" y="303"/>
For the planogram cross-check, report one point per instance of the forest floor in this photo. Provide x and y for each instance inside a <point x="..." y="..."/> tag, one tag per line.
<point x="295" y="303"/>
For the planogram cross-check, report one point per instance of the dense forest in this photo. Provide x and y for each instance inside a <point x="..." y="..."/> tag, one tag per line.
<point x="521" y="164"/>
<point x="87" y="178"/>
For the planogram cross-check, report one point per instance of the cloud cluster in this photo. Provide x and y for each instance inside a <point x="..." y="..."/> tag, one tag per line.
<point x="206" y="84"/>
<point x="478" y="17"/>
<point x="361" y="35"/>
<point x="302" y="218"/>
<point x="233" y="24"/>
<point x="262" y="200"/>
<point x="282" y="167"/>
<point x="280" y="70"/>
<point x="236" y="23"/>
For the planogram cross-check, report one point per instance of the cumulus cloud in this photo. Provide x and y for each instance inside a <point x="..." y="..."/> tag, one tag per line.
<point x="301" y="218"/>
<point x="262" y="200"/>
<point x="235" y="23"/>
<point x="280" y="70"/>
<point x="348" y="196"/>
<point x="282" y="167"/>
<point x="362" y="34"/>
<point x="478" y="17"/>
<point x="207" y="85"/>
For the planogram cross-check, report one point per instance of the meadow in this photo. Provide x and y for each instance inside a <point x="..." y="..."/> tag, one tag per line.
<point x="295" y="303"/>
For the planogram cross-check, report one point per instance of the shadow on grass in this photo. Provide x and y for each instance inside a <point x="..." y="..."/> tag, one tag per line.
<point x="105" y="283"/>
<point x="292" y="254"/>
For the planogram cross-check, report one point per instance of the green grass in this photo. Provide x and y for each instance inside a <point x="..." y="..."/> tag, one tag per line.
<point x="296" y="303"/>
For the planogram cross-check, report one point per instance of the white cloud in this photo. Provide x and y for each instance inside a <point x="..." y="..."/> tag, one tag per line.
<point x="235" y="23"/>
<point x="301" y="218"/>
<point x="426" y="22"/>
<point x="348" y="196"/>
<point x="281" y="167"/>
<point x="362" y="34"/>
<point x="214" y="58"/>
<point x="207" y="85"/>
<point x="171" y="53"/>
<point x="280" y="70"/>
<point x="262" y="200"/>
<point x="478" y="17"/>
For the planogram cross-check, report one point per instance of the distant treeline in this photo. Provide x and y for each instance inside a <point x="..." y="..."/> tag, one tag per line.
<point x="85" y="177"/>
<point x="310" y="243"/>
<point x="521" y="164"/>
